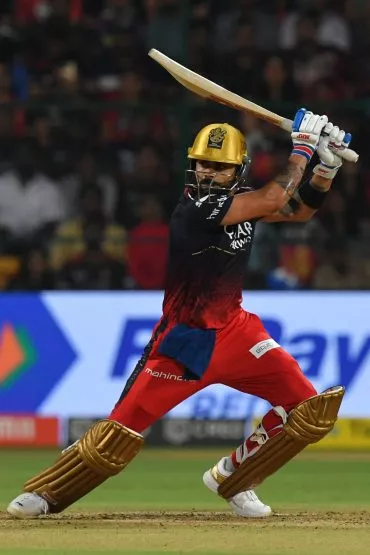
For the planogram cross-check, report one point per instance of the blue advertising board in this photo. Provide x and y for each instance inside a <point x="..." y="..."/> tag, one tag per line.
<point x="70" y="354"/>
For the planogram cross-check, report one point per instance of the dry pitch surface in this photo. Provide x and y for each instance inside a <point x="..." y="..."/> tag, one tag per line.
<point x="339" y="523"/>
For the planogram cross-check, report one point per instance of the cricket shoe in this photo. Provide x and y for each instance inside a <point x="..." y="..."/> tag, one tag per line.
<point x="245" y="503"/>
<point x="28" y="505"/>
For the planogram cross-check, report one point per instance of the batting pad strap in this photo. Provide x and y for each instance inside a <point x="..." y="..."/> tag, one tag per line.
<point x="103" y="451"/>
<point x="307" y="423"/>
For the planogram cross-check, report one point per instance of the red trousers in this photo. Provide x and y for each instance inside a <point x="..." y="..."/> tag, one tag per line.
<point x="244" y="358"/>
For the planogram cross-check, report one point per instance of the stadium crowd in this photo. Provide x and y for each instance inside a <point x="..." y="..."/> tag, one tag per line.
<point x="93" y="134"/>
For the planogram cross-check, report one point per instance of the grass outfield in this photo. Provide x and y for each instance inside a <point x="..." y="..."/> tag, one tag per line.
<point x="159" y="505"/>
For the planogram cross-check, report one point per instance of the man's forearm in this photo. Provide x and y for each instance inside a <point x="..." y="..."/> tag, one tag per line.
<point x="308" y="198"/>
<point x="285" y="185"/>
<point x="290" y="178"/>
<point x="269" y="199"/>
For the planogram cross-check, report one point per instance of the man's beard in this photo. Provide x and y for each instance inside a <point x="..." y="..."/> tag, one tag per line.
<point x="209" y="182"/>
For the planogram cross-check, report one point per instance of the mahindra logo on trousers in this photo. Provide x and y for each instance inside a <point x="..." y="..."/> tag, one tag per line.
<point x="164" y="375"/>
<point x="311" y="348"/>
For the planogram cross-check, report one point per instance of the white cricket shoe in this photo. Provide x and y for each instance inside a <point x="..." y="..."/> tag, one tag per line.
<point x="28" y="505"/>
<point x="245" y="503"/>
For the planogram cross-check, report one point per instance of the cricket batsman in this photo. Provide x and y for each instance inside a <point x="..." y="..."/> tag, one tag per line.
<point x="205" y="337"/>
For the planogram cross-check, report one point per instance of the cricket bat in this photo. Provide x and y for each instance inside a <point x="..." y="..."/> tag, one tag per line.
<point x="204" y="87"/>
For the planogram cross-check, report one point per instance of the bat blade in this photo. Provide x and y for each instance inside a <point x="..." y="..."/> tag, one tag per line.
<point x="208" y="89"/>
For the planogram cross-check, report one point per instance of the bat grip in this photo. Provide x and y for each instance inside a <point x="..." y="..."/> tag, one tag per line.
<point x="347" y="154"/>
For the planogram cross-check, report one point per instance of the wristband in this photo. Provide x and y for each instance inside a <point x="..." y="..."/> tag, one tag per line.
<point x="311" y="197"/>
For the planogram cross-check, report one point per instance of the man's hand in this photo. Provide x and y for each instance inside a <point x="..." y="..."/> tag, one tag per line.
<point x="331" y="144"/>
<point x="307" y="128"/>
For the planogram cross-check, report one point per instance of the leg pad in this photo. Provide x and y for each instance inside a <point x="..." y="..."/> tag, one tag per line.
<point x="103" y="451"/>
<point x="307" y="423"/>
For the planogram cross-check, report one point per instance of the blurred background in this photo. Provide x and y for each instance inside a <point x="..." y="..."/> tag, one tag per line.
<point x="93" y="134"/>
<point x="93" y="140"/>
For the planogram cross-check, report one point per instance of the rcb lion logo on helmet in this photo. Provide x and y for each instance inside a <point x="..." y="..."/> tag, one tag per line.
<point x="216" y="138"/>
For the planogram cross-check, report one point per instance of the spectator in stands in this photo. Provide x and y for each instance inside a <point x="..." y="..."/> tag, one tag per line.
<point x="148" y="245"/>
<point x="300" y="245"/>
<point x="87" y="173"/>
<point x="5" y="84"/>
<point x="34" y="273"/>
<point x="252" y="128"/>
<point x="346" y="210"/>
<point x="75" y="76"/>
<point x="67" y="102"/>
<point x="93" y="268"/>
<point x="30" y="203"/>
<point x="239" y="72"/>
<point x="232" y="21"/>
<point x="72" y="238"/>
<point x="297" y="27"/>
<point x="165" y="30"/>
<point x="7" y="140"/>
<point x="264" y="257"/>
<point x="276" y="84"/>
<point x="148" y="173"/>
<point x="118" y="124"/>
<point x="333" y="29"/>
<point x="339" y="269"/>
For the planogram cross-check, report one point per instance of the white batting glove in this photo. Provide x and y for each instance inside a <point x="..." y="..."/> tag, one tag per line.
<point x="331" y="145"/>
<point x="307" y="128"/>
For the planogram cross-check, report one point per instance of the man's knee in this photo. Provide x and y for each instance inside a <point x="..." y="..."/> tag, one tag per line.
<point x="297" y="387"/>
<point x="136" y="419"/>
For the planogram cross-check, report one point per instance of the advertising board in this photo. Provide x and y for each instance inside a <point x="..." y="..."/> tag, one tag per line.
<point x="70" y="354"/>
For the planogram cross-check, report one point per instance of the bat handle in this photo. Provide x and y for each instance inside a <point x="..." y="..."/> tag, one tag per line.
<point x="347" y="154"/>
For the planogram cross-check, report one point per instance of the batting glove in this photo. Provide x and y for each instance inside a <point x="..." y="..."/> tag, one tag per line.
<point x="331" y="145"/>
<point x="307" y="128"/>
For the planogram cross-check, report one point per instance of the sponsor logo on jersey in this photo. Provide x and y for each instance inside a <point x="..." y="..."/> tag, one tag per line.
<point x="240" y="235"/>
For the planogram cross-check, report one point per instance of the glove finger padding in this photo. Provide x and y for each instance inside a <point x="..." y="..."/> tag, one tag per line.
<point x="331" y="146"/>
<point x="334" y="134"/>
<point x="347" y="139"/>
<point x="309" y="122"/>
<point x="338" y="139"/>
<point x="328" y="128"/>
<point x="326" y="155"/>
<point x="320" y="123"/>
<point x="298" y="119"/>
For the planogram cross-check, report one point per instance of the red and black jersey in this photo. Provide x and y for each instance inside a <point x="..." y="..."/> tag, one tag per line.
<point x="207" y="263"/>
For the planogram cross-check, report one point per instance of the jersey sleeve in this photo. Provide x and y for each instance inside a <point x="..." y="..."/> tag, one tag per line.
<point x="209" y="214"/>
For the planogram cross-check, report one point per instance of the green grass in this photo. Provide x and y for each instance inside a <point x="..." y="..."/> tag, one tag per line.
<point x="172" y="480"/>
<point x="78" y="552"/>
<point x="322" y="501"/>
